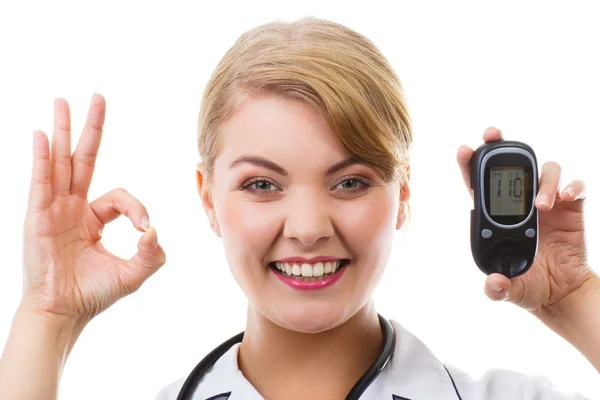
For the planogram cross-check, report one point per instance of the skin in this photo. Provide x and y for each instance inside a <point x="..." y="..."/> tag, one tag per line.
<point x="307" y="214"/>
<point x="70" y="277"/>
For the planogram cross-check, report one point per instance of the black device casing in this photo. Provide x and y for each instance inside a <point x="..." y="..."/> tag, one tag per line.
<point x="508" y="251"/>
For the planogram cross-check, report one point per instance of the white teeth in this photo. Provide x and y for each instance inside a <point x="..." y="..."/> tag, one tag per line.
<point x="335" y="266"/>
<point x="318" y="269"/>
<point x="307" y="270"/>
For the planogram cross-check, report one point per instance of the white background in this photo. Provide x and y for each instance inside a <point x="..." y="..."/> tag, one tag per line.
<point x="529" y="68"/>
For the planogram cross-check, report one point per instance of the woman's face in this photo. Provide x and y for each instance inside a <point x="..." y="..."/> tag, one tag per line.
<point x="284" y="189"/>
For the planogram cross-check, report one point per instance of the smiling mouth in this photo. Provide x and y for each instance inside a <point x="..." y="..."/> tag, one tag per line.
<point x="309" y="272"/>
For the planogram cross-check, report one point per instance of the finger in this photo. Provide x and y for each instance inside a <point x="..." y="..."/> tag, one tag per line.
<point x="86" y="152"/>
<point x="575" y="190"/>
<point x="491" y="134"/>
<point x="40" y="191"/>
<point x="463" y="157"/>
<point x="464" y="154"/>
<point x="60" y="152"/>
<point x="148" y="259"/>
<point x="497" y="287"/>
<point x="120" y="202"/>
<point x="549" y="184"/>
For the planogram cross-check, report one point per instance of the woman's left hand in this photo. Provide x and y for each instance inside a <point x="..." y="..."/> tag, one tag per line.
<point x="561" y="264"/>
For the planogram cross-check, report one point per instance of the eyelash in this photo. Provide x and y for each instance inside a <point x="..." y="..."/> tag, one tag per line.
<point x="248" y="185"/>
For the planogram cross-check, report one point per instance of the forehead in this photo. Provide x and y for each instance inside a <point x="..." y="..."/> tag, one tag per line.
<point x="275" y="126"/>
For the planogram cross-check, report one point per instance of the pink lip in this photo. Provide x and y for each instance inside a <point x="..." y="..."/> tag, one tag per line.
<point x="308" y="260"/>
<point x="319" y="284"/>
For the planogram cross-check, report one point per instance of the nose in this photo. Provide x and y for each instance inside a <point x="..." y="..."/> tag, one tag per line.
<point x="308" y="219"/>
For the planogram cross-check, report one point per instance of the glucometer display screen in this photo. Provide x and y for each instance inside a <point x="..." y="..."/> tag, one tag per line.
<point x="507" y="192"/>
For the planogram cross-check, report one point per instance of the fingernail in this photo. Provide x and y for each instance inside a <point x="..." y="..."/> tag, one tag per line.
<point x="544" y="200"/>
<point x="145" y="223"/>
<point x="495" y="287"/>
<point x="155" y="240"/>
<point x="568" y="192"/>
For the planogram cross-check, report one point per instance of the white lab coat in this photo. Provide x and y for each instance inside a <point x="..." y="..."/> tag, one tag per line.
<point x="413" y="373"/>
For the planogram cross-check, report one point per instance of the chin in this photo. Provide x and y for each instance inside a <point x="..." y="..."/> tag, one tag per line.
<point x="309" y="318"/>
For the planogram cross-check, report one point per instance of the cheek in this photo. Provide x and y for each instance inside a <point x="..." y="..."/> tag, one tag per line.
<point x="247" y="228"/>
<point x="368" y="225"/>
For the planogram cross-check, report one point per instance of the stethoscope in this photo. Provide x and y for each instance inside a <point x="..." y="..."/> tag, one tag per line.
<point x="389" y="342"/>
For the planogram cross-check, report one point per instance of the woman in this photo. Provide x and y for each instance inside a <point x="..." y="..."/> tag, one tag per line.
<point x="304" y="138"/>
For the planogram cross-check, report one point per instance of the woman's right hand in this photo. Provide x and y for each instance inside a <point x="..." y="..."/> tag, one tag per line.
<point x="67" y="272"/>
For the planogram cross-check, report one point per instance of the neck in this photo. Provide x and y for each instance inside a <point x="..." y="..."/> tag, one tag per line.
<point x="312" y="365"/>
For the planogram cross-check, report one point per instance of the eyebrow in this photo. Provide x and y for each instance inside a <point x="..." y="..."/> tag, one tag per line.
<point x="265" y="163"/>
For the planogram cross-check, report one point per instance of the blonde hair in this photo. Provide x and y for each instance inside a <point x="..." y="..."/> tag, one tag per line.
<point x="335" y="69"/>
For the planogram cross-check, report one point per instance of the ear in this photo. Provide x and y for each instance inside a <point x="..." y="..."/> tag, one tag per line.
<point x="206" y="198"/>
<point x="404" y="197"/>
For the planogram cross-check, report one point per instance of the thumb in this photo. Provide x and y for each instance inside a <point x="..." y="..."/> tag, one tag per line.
<point x="149" y="258"/>
<point x="498" y="287"/>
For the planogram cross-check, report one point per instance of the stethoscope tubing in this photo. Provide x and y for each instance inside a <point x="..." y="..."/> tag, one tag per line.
<point x="389" y="343"/>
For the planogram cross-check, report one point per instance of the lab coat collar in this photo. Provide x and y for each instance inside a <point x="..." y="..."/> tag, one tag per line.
<point x="413" y="373"/>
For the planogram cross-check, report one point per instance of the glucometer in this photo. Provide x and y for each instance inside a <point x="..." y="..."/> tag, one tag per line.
<point x="504" y="221"/>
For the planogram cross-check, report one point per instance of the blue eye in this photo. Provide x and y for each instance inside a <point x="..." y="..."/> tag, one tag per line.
<point x="260" y="186"/>
<point x="353" y="184"/>
<point x="350" y="184"/>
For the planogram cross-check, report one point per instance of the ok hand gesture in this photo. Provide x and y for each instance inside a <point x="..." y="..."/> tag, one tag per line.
<point x="67" y="271"/>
